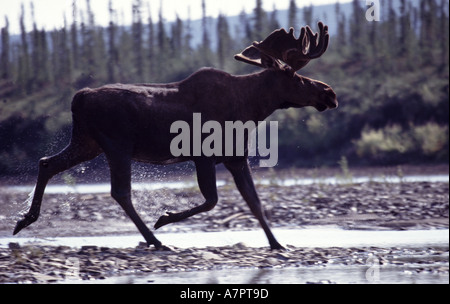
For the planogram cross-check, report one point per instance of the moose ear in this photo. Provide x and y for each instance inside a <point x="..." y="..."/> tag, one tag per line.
<point x="268" y="62"/>
<point x="290" y="71"/>
<point x="250" y="55"/>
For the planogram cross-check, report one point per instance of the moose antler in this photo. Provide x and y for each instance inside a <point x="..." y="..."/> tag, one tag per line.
<point x="281" y="45"/>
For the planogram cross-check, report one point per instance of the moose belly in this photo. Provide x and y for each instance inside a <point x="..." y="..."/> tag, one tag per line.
<point x="154" y="149"/>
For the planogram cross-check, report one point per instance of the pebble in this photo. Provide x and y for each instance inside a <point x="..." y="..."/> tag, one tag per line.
<point x="320" y="282"/>
<point x="210" y="256"/>
<point x="12" y="246"/>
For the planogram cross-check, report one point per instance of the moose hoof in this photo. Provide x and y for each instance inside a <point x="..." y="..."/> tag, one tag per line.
<point x="277" y="246"/>
<point x="163" y="248"/>
<point x="25" y="222"/>
<point x="164" y="220"/>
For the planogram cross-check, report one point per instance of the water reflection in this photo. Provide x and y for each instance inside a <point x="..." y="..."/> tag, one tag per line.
<point x="331" y="274"/>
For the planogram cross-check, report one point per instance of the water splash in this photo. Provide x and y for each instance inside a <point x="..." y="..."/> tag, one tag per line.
<point x="28" y="201"/>
<point x="22" y="208"/>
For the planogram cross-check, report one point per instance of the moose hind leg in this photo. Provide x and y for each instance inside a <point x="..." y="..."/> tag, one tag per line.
<point x="75" y="153"/>
<point x="206" y="178"/>
<point x="244" y="183"/>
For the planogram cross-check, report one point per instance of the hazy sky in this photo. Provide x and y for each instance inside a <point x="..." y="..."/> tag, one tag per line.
<point x="50" y="13"/>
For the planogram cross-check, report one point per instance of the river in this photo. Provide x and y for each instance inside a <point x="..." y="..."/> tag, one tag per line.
<point x="419" y="255"/>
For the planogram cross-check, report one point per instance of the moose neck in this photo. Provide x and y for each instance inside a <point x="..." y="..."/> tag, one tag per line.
<point x="261" y="94"/>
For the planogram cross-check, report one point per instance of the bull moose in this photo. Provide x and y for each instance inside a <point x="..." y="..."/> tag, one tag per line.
<point x="131" y="122"/>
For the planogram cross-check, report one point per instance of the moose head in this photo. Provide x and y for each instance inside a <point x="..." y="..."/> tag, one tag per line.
<point x="282" y="52"/>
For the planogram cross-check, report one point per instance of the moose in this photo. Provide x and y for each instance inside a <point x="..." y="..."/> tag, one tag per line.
<point x="131" y="122"/>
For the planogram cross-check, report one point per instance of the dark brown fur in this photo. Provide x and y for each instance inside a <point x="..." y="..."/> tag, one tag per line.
<point x="132" y="122"/>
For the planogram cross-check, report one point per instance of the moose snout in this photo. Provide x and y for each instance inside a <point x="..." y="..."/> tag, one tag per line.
<point x="327" y="101"/>
<point x="333" y="103"/>
<point x="330" y="99"/>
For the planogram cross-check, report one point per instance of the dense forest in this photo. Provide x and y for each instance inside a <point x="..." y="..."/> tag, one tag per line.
<point x="391" y="77"/>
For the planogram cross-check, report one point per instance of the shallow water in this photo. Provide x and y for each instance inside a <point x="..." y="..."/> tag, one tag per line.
<point x="106" y="187"/>
<point x="331" y="274"/>
<point x="308" y="237"/>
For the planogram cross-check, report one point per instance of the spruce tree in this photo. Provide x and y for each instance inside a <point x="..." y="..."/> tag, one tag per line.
<point x="150" y="46"/>
<point x="113" y="54"/>
<point x="273" y="20"/>
<point x="223" y="40"/>
<point x="260" y="18"/>
<point x="176" y="40"/>
<point x="444" y="34"/>
<point x="206" y="54"/>
<point x="74" y="37"/>
<point x="4" y="56"/>
<point x="137" y="33"/>
<point x="24" y="80"/>
<point x="292" y="14"/>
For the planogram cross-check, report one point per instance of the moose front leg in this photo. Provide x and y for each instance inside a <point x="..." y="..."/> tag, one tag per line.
<point x="244" y="182"/>
<point x="206" y="178"/>
<point x="120" y="167"/>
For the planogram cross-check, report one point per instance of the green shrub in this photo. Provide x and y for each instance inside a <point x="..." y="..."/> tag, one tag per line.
<point x="429" y="141"/>
<point x="431" y="138"/>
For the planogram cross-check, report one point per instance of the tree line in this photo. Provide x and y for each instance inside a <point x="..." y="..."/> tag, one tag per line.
<point x="391" y="77"/>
